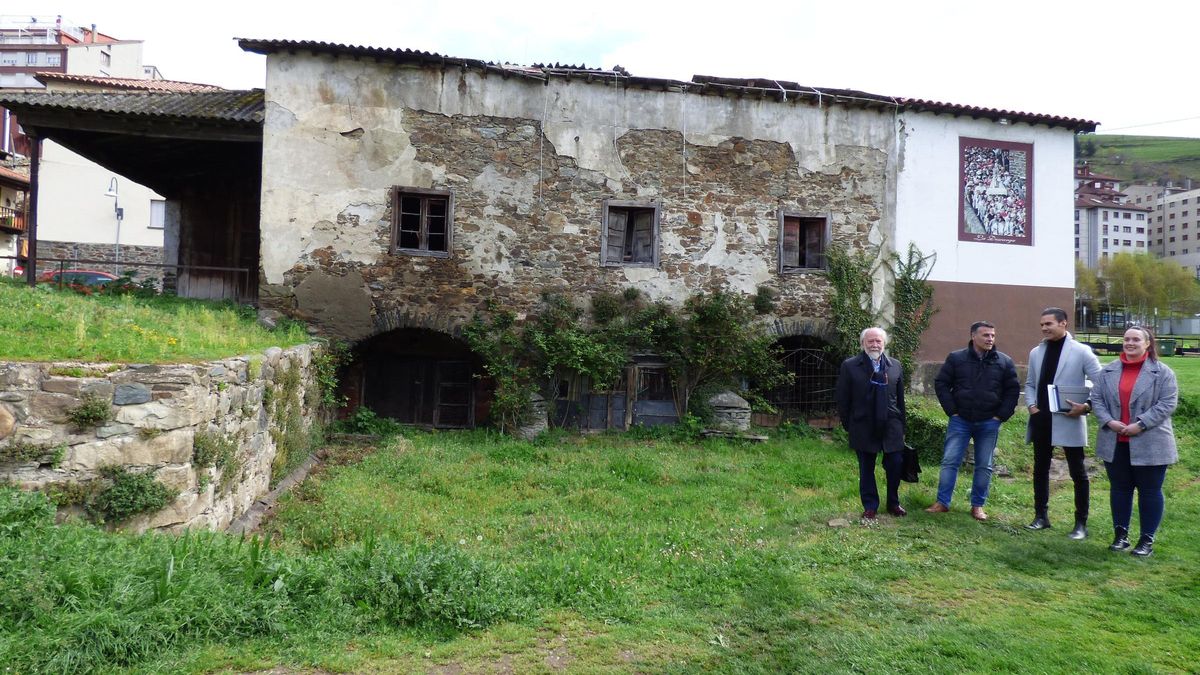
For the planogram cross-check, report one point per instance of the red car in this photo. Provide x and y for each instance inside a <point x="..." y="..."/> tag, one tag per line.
<point x="77" y="277"/>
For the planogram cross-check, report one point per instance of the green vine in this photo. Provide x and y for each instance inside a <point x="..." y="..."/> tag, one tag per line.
<point x="850" y="275"/>
<point x="712" y="343"/>
<point x="912" y="299"/>
<point x="913" y="305"/>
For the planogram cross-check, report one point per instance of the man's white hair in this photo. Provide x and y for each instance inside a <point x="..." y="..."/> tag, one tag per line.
<point x="863" y="335"/>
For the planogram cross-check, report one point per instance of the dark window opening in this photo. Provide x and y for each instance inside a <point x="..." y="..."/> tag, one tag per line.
<point x="811" y="392"/>
<point x="630" y="234"/>
<point x="422" y="222"/>
<point x="802" y="242"/>
<point x="417" y="377"/>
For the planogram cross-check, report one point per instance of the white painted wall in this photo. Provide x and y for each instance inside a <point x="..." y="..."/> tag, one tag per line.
<point x="72" y="205"/>
<point x="927" y="203"/>
<point x="125" y="59"/>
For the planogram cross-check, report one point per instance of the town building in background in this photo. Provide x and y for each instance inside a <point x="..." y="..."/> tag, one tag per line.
<point x="1107" y="220"/>
<point x="85" y="211"/>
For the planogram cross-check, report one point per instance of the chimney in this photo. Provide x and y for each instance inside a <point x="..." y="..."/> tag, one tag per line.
<point x="92" y="37"/>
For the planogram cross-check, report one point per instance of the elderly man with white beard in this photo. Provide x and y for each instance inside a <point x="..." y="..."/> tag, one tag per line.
<point x="870" y="402"/>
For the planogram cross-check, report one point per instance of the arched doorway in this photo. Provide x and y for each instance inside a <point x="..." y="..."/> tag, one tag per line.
<point x="811" y="393"/>
<point x="417" y="376"/>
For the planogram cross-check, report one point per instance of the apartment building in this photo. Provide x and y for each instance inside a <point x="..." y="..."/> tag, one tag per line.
<point x="1107" y="220"/>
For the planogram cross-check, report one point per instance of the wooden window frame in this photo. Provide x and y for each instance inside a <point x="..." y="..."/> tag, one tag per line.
<point x="654" y="206"/>
<point x="826" y="234"/>
<point x="424" y="194"/>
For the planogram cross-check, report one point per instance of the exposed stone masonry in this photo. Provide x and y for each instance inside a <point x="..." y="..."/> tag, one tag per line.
<point x="130" y="257"/>
<point x="157" y="412"/>
<point x="527" y="220"/>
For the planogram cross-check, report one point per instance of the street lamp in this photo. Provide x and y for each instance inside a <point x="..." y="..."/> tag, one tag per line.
<point x="120" y="214"/>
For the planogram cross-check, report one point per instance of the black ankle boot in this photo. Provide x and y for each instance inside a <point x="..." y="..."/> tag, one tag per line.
<point x="1080" y="531"/>
<point x="1145" y="546"/>
<point x="1040" y="522"/>
<point x="1120" y="539"/>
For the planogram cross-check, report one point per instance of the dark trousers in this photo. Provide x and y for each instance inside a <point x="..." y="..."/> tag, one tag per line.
<point x="1042" y="450"/>
<point x="868" y="489"/>
<point x="1123" y="479"/>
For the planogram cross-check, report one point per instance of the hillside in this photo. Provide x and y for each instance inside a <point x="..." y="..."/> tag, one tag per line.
<point x="1143" y="159"/>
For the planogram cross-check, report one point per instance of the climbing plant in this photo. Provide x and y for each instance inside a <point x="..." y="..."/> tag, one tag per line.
<point x="914" y="309"/>
<point x="850" y="274"/>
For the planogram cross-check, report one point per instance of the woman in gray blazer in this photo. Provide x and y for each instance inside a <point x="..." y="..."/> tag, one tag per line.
<point x="1133" y="400"/>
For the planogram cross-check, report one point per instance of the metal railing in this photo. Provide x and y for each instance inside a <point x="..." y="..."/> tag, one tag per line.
<point x="12" y="219"/>
<point x="208" y="282"/>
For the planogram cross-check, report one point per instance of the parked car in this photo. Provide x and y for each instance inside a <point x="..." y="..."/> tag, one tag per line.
<point x="77" y="277"/>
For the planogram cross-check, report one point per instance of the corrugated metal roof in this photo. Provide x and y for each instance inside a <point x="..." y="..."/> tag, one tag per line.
<point x="127" y="83"/>
<point x="239" y="106"/>
<point x="758" y="87"/>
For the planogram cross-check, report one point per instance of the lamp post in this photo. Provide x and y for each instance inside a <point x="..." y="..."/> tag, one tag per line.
<point x="120" y="214"/>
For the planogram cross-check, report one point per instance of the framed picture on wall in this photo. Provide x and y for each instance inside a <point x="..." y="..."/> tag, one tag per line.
<point x="995" y="191"/>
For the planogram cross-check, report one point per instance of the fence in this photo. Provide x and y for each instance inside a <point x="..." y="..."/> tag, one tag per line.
<point x="207" y="282"/>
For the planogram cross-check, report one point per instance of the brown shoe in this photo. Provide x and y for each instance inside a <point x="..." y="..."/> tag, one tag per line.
<point x="897" y="511"/>
<point x="869" y="515"/>
<point x="977" y="513"/>
<point x="938" y="507"/>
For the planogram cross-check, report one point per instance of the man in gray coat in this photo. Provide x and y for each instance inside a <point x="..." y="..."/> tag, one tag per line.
<point x="1058" y="360"/>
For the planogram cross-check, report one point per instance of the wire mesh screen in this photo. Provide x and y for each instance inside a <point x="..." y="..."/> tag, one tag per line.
<point x="811" y="393"/>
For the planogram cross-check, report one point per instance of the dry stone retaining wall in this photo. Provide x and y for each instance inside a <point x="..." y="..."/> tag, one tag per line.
<point x="157" y="411"/>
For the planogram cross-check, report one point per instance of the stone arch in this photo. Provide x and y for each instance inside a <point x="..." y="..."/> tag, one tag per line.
<point x="417" y="375"/>
<point x="806" y="347"/>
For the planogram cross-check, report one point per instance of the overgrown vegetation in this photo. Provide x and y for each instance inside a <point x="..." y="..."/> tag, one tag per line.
<point x="213" y="450"/>
<point x="851" y="275"/>
<point x="79" y="600"/>
<point x="293" y="437"/>
<point x="712" y="342"/>
<point x="129" y="494"/>
<point x="45" y="324"/>
<point x="20" y="452"/>
<point x="913" y="303"/>
<point x="92" y="411"/>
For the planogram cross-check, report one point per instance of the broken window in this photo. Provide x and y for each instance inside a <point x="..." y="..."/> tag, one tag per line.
<point x="630" y="233"/>
<point x="802" y="241"/>
<point x="422" y="221"/>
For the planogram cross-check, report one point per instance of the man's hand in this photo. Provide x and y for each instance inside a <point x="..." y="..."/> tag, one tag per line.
<point x="1077" y="409"/>
<point x="1118" y="426"/>
<point x="1033" y="409"/>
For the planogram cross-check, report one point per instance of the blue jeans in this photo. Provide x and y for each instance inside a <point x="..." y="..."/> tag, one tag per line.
<point x="1123" y="479"/>
<point x="958" y="433"/>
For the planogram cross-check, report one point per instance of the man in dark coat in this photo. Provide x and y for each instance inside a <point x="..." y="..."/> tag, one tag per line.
<point x="978" y="390"/>
<point x="870" y="401"/>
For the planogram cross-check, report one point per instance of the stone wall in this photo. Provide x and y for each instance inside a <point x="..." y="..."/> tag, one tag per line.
<point x="530" y="165"/>
<point x="157" y="414"/>
<point x="130" y="257"/>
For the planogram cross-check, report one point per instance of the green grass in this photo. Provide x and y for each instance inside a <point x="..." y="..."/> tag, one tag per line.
<point x="48" y="324"/>
<point x="607" y="553"/>
<point x="1144" y="158"/>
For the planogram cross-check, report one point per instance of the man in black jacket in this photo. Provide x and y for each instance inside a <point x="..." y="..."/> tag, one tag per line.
<point x="978" y="389"/>
<point x="870" y="402"/>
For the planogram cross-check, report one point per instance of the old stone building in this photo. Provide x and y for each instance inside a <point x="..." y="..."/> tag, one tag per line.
<point x="401" y="191"/>
<point x="428" y="186"/>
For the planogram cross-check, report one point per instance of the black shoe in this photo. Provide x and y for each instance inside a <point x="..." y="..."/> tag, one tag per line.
<point x="1120" y="539"/>
<point x="1145" y="546"/>
<point x="1039" y="523"/>
<point x="1080" y="531"/>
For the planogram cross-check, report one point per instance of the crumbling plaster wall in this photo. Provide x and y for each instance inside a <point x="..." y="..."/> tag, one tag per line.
<point x="530" y="164"/>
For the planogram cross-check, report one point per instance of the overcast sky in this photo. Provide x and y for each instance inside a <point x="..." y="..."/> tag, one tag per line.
<point x="1125" y="65"/>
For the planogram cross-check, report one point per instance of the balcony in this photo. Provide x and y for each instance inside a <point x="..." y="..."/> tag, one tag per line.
<point x="12" y="220"/>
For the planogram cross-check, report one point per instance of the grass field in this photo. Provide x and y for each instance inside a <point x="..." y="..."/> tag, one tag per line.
<point x="1144" y="158"/>
<point x="48" y="324"/>
<point x="468" y="552"/>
